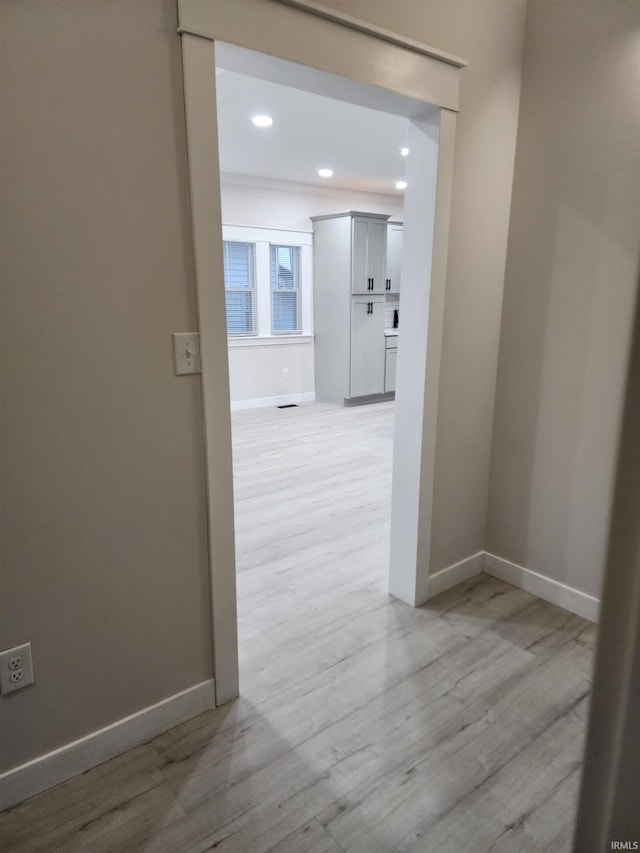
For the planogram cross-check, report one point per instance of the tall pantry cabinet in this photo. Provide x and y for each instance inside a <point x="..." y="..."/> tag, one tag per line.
<point x="349" y="286"/>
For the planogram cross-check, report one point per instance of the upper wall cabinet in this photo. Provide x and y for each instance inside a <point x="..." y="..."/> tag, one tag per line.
<point x="369" y="235"/>
<point x="394" y="256"/>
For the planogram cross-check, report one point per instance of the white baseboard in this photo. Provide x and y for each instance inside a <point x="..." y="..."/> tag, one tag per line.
<point x="284" y="400"/>
<point x="544" y="587"/>
<point x="41" y="773"/>
<point x="455" y="574"/>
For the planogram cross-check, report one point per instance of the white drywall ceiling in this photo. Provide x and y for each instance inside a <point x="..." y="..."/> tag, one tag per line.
<point x="309" y="132"/>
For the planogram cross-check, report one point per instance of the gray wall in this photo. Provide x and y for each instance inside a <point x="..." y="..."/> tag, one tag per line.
<point x="571" y="278"/>
<point x="103" y="514"/>
<point x="103" y="507"/>
<point x="490" y="36"/>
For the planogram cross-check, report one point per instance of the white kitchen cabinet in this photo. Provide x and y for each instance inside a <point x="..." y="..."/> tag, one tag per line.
<point x="349" y="286"/>
<point x="369" y="252"/>
<point x="367" y="346"/>
<point x="394" y="256"/>
<point x="390" y="360"/>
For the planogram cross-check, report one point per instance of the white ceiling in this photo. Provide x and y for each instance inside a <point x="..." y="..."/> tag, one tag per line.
<point x="309" y="132"/>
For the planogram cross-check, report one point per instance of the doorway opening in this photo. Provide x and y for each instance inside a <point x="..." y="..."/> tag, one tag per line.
<point x="316" y="338"/>
<point x="402" y="78"/>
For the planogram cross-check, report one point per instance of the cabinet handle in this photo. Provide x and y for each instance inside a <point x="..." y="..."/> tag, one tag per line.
<point x="388" y="284"/>
<point x="372" y="284"/>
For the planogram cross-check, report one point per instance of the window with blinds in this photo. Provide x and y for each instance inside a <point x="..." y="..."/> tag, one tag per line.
<point x="285" y="290"/>
<point x="240" y="287"/>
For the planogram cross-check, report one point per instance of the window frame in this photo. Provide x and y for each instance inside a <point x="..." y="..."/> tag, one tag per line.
<point x="264" y="238"/>
<point x="279" y="291"/>
<point x="251" y="289"/>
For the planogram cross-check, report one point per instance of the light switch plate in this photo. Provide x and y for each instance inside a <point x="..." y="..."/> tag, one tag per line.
<point x="186" y="352"/>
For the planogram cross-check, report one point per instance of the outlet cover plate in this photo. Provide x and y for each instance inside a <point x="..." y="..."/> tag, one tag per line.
<point x="13" y="662"/>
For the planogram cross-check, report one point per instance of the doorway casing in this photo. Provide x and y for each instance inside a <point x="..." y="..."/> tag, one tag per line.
<point x="403" y="72"/>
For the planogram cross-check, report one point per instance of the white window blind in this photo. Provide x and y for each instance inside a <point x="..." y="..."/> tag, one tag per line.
<point x="285" y="290"/>
<point x="240" y="287"/>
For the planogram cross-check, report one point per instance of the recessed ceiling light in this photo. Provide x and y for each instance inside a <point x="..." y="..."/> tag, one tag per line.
<point x="404" y="151"/>
<point x="401" y="185"/>
<point x="325" y="173"/>
<point x="262" y="121"/>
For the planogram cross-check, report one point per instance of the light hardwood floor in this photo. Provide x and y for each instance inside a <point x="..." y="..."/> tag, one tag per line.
<point x="364" y="725"/>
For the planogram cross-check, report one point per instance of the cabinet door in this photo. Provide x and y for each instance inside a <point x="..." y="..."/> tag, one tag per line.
<point x="394" y="255"/>
<point x="391" y="356"/>
<point x="369" y="255"/>
<point x="367" y="346"/>
<point x="359" y="257"/>
<point x="377" y="254"/>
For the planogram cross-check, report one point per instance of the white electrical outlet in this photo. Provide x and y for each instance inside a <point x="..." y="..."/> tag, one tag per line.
<point x="285" y="373"/>
<point x="16" y="668"/>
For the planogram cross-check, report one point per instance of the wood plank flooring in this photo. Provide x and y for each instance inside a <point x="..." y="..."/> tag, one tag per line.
<point x="364" y="725"/>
